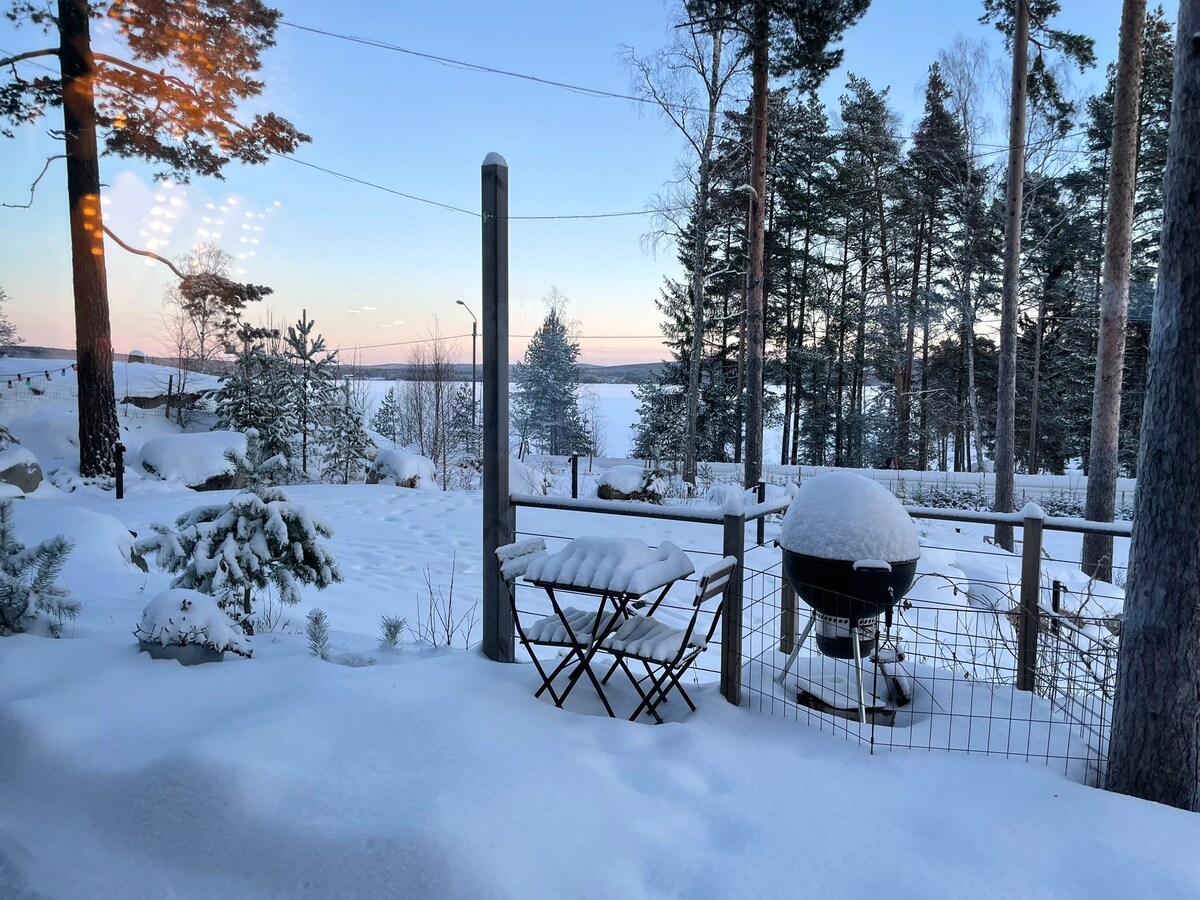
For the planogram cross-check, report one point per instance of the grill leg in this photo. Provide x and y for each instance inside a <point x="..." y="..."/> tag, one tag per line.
<point x="791" y="660"/>
<point x="858" y="671"/>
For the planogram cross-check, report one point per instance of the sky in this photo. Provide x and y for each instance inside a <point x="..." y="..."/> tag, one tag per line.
<point x="376" y="270"/>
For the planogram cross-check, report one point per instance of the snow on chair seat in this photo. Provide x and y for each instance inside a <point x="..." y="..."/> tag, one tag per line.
<point x="648" y="638"/>
<point x="516" y="557"/>
<point x="551" y="631"/>
<point x="664" y="651"/>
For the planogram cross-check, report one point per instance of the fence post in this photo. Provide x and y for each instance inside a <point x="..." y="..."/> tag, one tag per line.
<point x="761" y="531"/>
<point x="499" y="521"/>
<point x="575" y="476"/>
<point x="1031" y="577"/>
<point x="170" y="385"/>
<point x="787" y="616"/>
<point x="119" y="461"/>
<point x="734" y="545"/>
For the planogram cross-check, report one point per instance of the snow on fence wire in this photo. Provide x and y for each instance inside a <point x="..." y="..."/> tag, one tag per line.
<point x="970" y="643"/>
<point x="1057" y="494"/>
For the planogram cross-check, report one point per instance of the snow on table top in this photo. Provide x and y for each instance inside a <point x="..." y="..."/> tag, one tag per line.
<point x="844" y="516"/>
<point x="621" y="565"/>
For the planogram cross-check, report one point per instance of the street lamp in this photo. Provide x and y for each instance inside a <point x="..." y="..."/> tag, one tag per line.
<point x="474" y="334"/>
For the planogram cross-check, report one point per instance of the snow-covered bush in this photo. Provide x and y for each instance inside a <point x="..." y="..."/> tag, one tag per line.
<point x="182" y="618"/>
<point x="29" y="596"/>
<point x="232" y="551"/>
<point x="403" y="469"/>
<point x="524" y="479"/>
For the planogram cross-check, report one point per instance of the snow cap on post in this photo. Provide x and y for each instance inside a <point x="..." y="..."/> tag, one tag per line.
<point x="494" y="159"/>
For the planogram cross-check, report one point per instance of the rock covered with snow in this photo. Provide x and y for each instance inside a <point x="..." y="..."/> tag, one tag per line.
<point x="197" y="460"/>
<point x="630" y="483"/>
<point x="622" y="565"/>
<point x="181" y="618"/>
<point x="19" y="468"/>
<point x="403" y="469"/>
<point x="845" y="516"/>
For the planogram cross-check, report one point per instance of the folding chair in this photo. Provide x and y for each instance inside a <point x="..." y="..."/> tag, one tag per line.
<point x="667" y="652"/>
<point x="567" y="628"/>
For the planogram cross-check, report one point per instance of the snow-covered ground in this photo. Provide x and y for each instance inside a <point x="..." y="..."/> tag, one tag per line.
<point x="435" y="772"/>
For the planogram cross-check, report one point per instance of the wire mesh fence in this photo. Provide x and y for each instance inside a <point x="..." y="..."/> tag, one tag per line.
<point x="943" y="677"/>
<point x="942" y="671"/>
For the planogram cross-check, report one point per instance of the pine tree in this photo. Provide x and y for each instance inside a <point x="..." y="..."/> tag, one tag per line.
<point x="256" y="393"/>
<point x="544" y="387"/>
<point x="28" y="592"/>
<point x="386" y="420"/>
<point x="314" y="386"/>
<point x="238" y="550"/>
<point x="172" y="102"/>
<point x="465" y="434"/>
<point x="348" y="449"/>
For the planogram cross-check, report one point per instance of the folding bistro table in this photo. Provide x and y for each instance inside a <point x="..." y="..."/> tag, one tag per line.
<point x="617" y="571"/>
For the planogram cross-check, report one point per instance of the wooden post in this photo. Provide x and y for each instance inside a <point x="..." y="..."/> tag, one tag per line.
<point x="499" y="518"/>
<point x="731" y="624"/>
<point x="761" y="531"/>
<point x="119" y="459"/>
<point x="787" y="616"/>
<point x="1027" y="618"/>
<point x="575" y="476"/>
<point x="170" y="386"/>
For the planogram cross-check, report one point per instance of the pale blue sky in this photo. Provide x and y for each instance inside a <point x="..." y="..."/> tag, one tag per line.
<point x="373" y="268"/>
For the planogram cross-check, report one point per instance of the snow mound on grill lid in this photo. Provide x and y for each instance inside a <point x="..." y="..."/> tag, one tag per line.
<point x="845" y="516"/>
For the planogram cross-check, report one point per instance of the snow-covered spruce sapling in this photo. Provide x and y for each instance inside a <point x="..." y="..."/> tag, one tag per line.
<point x="29" y="596"/>
<point x="257" y="540"/>
<point x="390" y="629"/>
<point x="317" y="631"/>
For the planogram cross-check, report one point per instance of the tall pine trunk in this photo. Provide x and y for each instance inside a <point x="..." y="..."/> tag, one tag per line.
<point x="698" y="265"/>
<point x="1114" y="294"/>
<point x="1006" y="398"/>
<point x="1154" y="752"/>
<point x="756" y="300"/>
<point x="98" y="430"/>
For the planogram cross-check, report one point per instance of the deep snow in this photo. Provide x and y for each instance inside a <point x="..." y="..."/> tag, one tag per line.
<point x="437" y="773"/>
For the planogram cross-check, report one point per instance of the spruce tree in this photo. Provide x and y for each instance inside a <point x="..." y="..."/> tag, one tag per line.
<point x="257" y="393"/>
<point x="314" y="394"/>
<point x="544" y="387"/>
<point x="28" y="592"/>
<point x="348" y="449"/>
<point x="465" y="434"/>
<point x="238" y="550"/>
<point x="386" y="419"/>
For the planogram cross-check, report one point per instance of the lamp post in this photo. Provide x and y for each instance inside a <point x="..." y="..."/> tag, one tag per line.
<point x="474" y="333"/>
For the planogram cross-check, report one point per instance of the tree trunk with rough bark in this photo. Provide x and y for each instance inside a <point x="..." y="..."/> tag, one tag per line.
<point x="1096" y="559"/>
<point x="1154" y="752"/>
<point x="1006" y="400"/>
<point x="98" y="429"/>
<point x="755" y="337"/>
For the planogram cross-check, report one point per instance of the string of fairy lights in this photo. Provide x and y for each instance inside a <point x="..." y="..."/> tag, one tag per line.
<point x="26" y="378"/>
